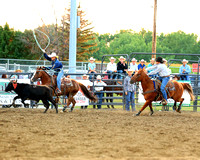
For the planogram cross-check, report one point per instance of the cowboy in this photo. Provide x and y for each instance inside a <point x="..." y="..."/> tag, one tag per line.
<point x="17" y="76"/>
<point x="164" y="76"/>
<point x="111" y="67"/>
<point x="57" y="67"/>
<point x="129" y="91"/>
<point x="142" y="64"/>
<point x="121" y="66"/>
<point x="133" y="65"/>
<point x="184" y="70"/>
<point x="165" y="62"/>
<point x="91" y="67"/>
<point x="99" y="85"/>
<point x="87" y="84"/>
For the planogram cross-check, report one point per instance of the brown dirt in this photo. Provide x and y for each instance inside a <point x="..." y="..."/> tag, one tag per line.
<point x="98" y="134"/>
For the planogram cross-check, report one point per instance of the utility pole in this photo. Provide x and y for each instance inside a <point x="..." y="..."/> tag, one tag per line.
<point x="154" y="30"/>
<point x="73" y="37"/>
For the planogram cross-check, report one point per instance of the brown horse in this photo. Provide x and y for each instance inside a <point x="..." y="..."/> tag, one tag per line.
<point x="150" y="93"/>
<point x="112" y="82"/>
<point x="69" y="87"/>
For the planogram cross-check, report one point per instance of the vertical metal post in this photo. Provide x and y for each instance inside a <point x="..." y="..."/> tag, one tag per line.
<point x="154" y="30"/>
<point x="197" y="88"/>
<point x="72" y="37"/>
<point x="8" y="64"/>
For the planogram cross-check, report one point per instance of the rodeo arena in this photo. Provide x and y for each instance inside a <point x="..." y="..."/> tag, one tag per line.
<point x="116" y="108"/>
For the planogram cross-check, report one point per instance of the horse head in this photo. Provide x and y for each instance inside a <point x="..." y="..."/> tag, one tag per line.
<point x="138" y="76"/>
<point x="37" y="74"/>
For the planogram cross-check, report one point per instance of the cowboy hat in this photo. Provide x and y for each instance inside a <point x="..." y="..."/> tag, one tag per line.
<point x="112" y="58"/>
<point x="98" y="77"/>
<point x="134" y="60"/>
<point x="121" y="57"/>
<point x="91" y="59"/>
<point x="184" y="60"/>
<point x="153" y="59"/>
<point x="159" y="59"/>
<point x="85" y="75"/>
<point x="142" y="60"/>
<point x="53" y="54"/>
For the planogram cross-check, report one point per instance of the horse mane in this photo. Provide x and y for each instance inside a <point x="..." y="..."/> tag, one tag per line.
<point x="146" y="77"/>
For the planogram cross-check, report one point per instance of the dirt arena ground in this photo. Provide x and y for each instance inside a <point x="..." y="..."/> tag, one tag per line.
<point x="98" y="134"/>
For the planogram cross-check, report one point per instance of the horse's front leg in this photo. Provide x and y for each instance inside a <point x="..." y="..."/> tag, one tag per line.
<point x="151" y="109"/>
<point x="148" y="102"/>
<point x="174" y="106"/>
<point x="107" y="95"/>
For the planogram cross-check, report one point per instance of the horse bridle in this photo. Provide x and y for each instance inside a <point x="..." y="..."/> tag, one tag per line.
<point x="135" y="80"/>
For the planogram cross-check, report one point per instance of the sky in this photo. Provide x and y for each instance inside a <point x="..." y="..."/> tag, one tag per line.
<point x="107" y="16"/>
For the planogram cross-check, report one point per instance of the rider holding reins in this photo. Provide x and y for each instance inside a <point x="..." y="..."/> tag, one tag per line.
<point x="164" y="76"/>
<point x="57" y="67"/>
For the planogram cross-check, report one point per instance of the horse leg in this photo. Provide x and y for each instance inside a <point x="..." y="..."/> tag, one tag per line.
<point x="151" y="109"/>
<point x="111" y="100"/>
<point x="179" y="107"/>
<point x="174" y="107"/>
<point x="148" y="102"/>
<point x="46" y="104"/>
<point x="73" y="102"/>
<point x="107" y="95"/>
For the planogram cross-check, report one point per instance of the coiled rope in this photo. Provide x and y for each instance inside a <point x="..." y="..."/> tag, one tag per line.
<point x="34" y="35"/>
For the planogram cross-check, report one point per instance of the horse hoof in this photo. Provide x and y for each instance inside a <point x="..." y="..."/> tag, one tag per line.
<point x="178" y="111"/>
<point x="151" y="113"/>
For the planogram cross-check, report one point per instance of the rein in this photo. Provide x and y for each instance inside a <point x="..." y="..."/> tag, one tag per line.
<point x="154" y="85"/>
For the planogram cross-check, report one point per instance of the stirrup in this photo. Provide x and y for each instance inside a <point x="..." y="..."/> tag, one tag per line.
<point x="58" y="91"/>
<point x="164" y="102"/>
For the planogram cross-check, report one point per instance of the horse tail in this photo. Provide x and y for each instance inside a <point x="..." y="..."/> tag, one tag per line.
<point x="87" y="93"/>
<point x="188" y="87"/>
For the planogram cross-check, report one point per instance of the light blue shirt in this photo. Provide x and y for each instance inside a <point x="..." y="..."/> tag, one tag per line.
<point x="161" y="69"/>
<point x="187" y="69"/>
<point x="150" y="65"/>
<point x="92" y="66"/>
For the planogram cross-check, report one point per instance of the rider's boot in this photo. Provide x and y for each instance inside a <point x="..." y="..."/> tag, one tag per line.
<point x="58" y="91"/>
<point x="164" y="102"/>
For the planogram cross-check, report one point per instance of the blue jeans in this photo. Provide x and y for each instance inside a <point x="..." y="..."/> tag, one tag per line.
<point x="91" y="75"/>
<point x="111" y="76"/>
<point x="60" y="74"/>
<point x="152" y="76"/>
<point x="99" y="96"/>
<point x="164" y="80"/>
<point x="130" y="97"/>
<point x="184" y="77"/>
<point x="120" y="74"/>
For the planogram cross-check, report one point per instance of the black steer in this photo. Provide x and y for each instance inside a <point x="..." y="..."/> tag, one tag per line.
<point x="32" y="92"/>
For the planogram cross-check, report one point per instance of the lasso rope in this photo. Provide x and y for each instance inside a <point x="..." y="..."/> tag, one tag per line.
<point x="39" y="43"/>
